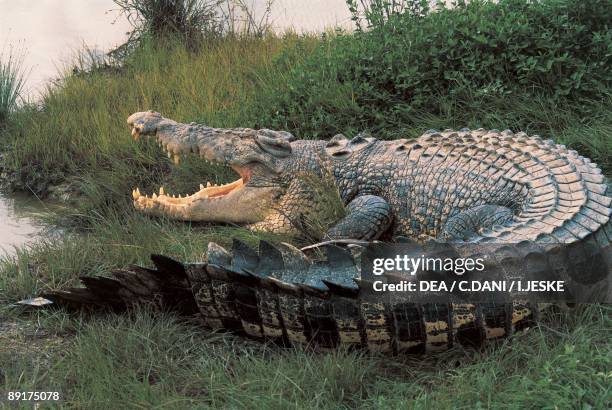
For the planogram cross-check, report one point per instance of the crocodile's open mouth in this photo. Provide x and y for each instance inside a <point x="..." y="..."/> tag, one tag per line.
<point x="206" y="192"/>
<point x="236" y="202"/>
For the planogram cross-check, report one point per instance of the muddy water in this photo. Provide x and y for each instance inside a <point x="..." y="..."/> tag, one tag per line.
<point x="19" y="222"/>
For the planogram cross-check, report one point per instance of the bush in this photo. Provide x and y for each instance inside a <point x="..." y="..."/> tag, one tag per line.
<point x="375" y="13"/>
<point x="466" y="58"/>
<point x="189" y="20"/>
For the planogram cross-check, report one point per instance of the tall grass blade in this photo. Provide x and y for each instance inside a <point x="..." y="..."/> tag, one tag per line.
<point x="12" y="82"/>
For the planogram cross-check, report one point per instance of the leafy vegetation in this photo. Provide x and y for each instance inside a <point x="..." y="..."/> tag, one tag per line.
<point x="538" y="66"/>
<point x="368" y="14"/>
<point x="478" y="64"/>
<point x="188" y="20"/>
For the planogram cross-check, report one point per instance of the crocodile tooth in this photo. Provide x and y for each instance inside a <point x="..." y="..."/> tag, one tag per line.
<point x="137" y="191"/>
<point x="161" y="190"/>
<point x="169" y="154"/>
<point x="135" y="194"/>
<point x="208" y="184"/>
<point x="177" y="159"/>
<point x="154" y="196"/>
<point x="201" y="186"/>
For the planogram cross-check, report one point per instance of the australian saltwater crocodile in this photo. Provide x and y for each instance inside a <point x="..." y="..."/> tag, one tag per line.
<point x="466" y="186"/>
<point x="476" y="185"/>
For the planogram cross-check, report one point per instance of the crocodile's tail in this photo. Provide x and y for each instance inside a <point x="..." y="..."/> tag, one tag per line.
<point x="166" y="287"/>
<point x="280" y="294"/>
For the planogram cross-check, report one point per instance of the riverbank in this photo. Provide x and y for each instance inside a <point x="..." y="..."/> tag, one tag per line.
<point x="313" y="86"/>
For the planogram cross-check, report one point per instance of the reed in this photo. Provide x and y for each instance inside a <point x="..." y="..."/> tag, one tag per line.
<point x="12" y="82"/>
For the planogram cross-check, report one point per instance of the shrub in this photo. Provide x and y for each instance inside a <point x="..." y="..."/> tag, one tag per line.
<point x="188" y="20"/>
<point x="466" y="58"/>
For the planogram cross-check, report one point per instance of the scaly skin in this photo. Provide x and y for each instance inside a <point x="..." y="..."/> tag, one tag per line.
<point x="454" y="185"/>
<point x="279" y="294"/>
<point x="543" y="207"/>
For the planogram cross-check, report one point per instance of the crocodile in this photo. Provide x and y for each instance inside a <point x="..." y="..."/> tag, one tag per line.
<point x="540" y="204"/>
<point x="454" y="185"/>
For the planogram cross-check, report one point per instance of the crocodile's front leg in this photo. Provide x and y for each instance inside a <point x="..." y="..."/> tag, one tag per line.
<point x="367" y="217"/>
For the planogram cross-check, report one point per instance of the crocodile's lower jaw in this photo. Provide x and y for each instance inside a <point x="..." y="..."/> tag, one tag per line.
<point x="235" y="202"/>
<point x="210" y="192"/>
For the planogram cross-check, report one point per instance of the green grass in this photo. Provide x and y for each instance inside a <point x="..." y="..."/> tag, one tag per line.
<point x="12" y="81"/>
<point x="81" y="134"/>
<point x="146" y="359"/>
<point x="152" y="360"/>
<point x="480" y="63"/>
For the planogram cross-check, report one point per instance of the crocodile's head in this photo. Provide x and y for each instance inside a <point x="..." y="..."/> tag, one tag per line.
<point x="257" y="157"/>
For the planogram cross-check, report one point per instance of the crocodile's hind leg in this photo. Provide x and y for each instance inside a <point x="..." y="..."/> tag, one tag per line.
<point x="473" y="220"/>
<point x="367" y="217"/>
